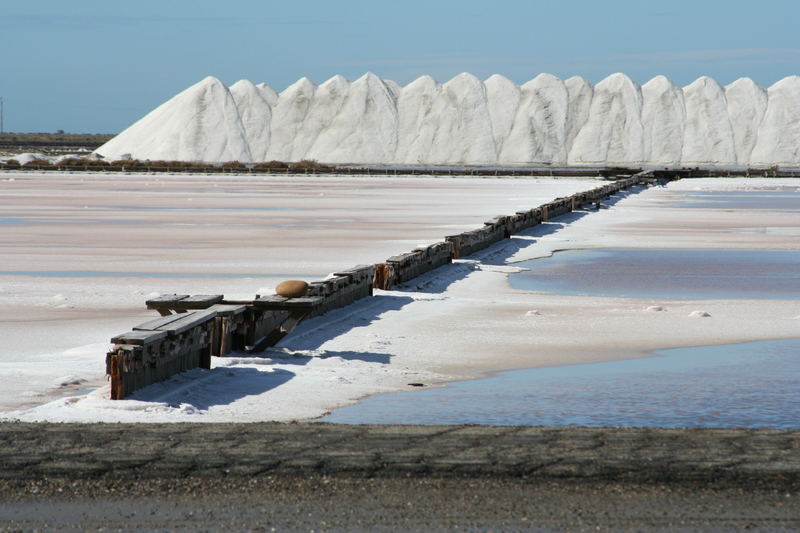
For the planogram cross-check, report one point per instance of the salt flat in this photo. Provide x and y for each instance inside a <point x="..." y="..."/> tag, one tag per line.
<point x="460" y="321"/>
<point x="81" y="252"/>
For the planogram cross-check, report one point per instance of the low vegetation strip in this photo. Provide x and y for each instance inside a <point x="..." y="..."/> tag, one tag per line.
<point x="641" y="455"/>
<point x="89" y="164"/>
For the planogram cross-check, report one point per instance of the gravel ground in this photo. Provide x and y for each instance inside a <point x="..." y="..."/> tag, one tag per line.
<point x="347" y="503"/>
<point x="320" y="477"/>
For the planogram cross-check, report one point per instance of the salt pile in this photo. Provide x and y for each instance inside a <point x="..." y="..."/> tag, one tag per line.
<point x="467" y="121"/>
<point x="202" y="123"/>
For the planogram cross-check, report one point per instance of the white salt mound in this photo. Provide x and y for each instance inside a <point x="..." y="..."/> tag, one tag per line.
<point x="256" y="116"/>
<point x="66" y="381"/>
<point x="502" y="96"/>
<point x="613" y="131"/>
<point x="708" y="138"/>
<point x="778" y="140"/>
<point x="580" y="94"/>
<point x="663" y="121"/>
<point x="365" y="122"/>
<point x="467" y="121"/>
<point x="288" y="114"/>
<point x="699" y="314"/>
<point x="416" y="124"/>
<point x="28" y="157"/>
<point x="538" y="133"/>
<point x="322" y="110"/>
<point x="747" y="103"/>
<point x="200" y="124"/>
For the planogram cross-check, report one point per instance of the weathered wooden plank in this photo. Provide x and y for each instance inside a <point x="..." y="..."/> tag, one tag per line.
<point x="165" y="299"/>
<point x="188" y="321"/>
<point x="156" y="323"/>
<point x="228" y="309"/>
<point x="139" y="338"/>
<point x="268" y="300"/>
<point x="402" y="258"/>
<point x="280" y="303"/>
<point x="307" y="302"/>
<point x="319" y="288"/>
<point x="357" y="272"/>
<point x="199" y="301"/>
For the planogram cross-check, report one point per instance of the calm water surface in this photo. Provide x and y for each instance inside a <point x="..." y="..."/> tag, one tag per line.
<point x="740" y="385"/>
<point x="777" y="200"/>
<point x="665" y="273"/>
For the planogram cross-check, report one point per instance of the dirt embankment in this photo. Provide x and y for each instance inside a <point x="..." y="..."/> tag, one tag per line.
<point x="32" y="451"/>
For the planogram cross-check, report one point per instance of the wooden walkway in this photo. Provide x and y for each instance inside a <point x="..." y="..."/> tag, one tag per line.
<point x="192" y="328"/>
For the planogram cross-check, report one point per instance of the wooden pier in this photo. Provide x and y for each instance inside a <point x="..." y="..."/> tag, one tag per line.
<point x="192" y="328"/>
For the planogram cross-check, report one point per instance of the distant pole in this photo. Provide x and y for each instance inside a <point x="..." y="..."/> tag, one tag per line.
<point x="1" y="115"/>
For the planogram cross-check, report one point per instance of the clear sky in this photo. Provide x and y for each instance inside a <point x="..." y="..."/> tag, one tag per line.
<point x="97" y="66"/>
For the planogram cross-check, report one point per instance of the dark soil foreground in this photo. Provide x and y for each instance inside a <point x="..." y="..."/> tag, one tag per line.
<point x="322" y="477"/>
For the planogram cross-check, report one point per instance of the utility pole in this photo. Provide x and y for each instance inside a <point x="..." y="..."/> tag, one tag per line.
<point x="1" y="115"/>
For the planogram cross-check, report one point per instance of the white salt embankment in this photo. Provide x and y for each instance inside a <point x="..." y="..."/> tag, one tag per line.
<point x="546" y="121"/>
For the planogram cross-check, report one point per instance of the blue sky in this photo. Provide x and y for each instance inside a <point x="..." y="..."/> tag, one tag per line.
<point x="99" y="65"/>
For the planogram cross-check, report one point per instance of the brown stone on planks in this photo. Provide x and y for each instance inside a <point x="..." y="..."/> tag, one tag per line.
<point x="292" y="288"/>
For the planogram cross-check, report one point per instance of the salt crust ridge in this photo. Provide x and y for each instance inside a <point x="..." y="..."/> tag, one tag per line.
<point x="467" y="121"/>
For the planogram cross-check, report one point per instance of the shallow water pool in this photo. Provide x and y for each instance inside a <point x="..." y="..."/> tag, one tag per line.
<point x="665" y="273"/>
<point x="739" y="385"/>
<point x="777" y="200"/>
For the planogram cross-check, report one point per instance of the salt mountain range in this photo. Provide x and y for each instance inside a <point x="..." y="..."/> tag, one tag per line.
<point x="467" y="121"/>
